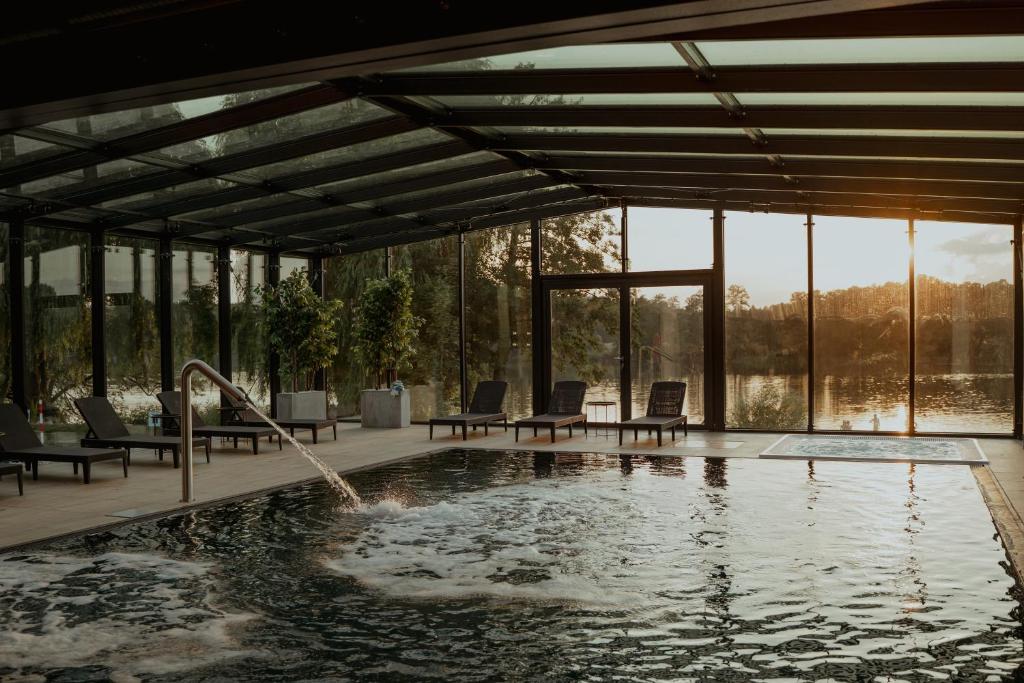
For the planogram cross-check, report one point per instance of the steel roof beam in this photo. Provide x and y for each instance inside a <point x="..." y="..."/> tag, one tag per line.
<point x="944" y="77"/>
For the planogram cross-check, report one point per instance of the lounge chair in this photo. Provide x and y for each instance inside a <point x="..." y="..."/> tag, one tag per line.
<point x="239" y="414"/>
<point x="564" y="410"/>
<point x="171" y="402"/>
<point x="107" y="430"/>
<point x="484" y="409"/>
<point x="18" y="441"/>
<point x="14" y="468"/>
<point x="664" y="411"/>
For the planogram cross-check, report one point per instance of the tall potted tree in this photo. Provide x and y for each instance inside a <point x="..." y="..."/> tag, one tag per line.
<point x="302" y="329"/>
<point x="384" y="332"/>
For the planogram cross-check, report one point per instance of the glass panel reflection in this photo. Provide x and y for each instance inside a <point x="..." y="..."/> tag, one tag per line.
<point x="194" y="320"/>
<point x="249" y="352"/>
<point x="582" y="243"/>
<point x="585" y="344"/>
<point x="669" y="239"/>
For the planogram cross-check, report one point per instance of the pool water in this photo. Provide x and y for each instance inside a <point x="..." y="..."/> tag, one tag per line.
<point x="480" y="566"/>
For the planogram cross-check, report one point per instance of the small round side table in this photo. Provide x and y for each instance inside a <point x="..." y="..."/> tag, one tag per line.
<point x="607" y="405"/>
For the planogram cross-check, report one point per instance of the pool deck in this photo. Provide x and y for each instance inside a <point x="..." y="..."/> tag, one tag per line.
<point x="59" y="504"/>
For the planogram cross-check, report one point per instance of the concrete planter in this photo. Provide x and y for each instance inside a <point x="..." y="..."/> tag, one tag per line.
<point x="379" y="408"/>
<point x="305" y="405"/>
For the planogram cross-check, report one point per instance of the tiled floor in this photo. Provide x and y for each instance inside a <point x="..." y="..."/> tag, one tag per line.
<point x="58" y="503"/>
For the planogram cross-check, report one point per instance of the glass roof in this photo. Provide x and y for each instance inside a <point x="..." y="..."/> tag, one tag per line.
<point x="19" y="149"/>
<point x="624" y="130"/>
<point x="885" y="99"/>
<point x="571" y="57"/>
<point x="169" y="194"/>
<point x="584" y="100"/>
<point x="119" y="169"/>
<point x="408" y="172"/>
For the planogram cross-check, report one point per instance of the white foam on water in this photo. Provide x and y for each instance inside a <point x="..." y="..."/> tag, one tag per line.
<point x="139" y="614"/>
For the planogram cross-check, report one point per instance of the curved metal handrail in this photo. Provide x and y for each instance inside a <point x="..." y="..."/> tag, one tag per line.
<point x="196" y="365"/>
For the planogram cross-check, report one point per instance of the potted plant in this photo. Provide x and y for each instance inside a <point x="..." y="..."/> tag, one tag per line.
<point x="301" y="328"/>
<point x="384" y="332"/>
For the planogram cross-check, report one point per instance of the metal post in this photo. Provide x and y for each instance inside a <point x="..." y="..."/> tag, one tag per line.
<point x="97" y="294"/>
<point x="911" y="331"/>
<point x="387" y="261"/>
<point x="317" y="281"/>
<point x="463" y="371"/>
<point x="625" y="327"/>
<point x="810" y="322"/>
<point x="537" y="332"/>
<point x="16" y="291"/>
<point x="1018" y="333"/>
<point x="165" y="294"/>
<point x="624" y="236"/>
<point x="716" y="395"/>
<point x="273" y="360"/>
<point x="224" y="313"/>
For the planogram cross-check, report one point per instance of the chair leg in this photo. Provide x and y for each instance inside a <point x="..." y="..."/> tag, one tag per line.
<point x="35" y="469"/>
<point x="636" y="434"/>
<point x="335" y="428"/>
<point x="686" y="432"/>
<point x="586" y="429"/>
<point x="431" y="432"/>
<point x="206" y="444"/>
<point x="21" y="485"/>
<point x="485" y="429"/>
<point x="465" y="431"/>
<point x="570" y="431"/>
<point x="75" y="466"/>
<point x="124" y="465"/>
<point x="535" y="431"/>
<point x="506" y="424"/>
<point x="474" y="428"/>
<point x="314" y="435"/>
<point x="552" y="433"/>
<point x="453" y="430"/>
<point x="236" y="442"/>
<point x="620" y="437"/>
<point x="673" y="433"/>
<point x="160" y="454"/>
<point x="86" y="467"/>
<point x="255" y="445"/>
<point x="280" y="443"/>
<point x="176" y="457"/>
<point x="659" y="437"/>
<point x="517" y="434"/>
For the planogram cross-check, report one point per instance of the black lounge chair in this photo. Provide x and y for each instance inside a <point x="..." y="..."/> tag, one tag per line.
<point x="171" y="402"/>
<point x="18" y="441"/>
<point x="564" y="410"/>
<point x="107" y="430"/>
<point x="664" y="411"/>
<point x="14" y="468"/>
<point x="484" y="409"/>
<point x="239" y="414"/>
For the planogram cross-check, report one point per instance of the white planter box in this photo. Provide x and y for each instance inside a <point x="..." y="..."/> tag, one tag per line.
<point x="302" y="405"/>
<point x="379" y="408"/>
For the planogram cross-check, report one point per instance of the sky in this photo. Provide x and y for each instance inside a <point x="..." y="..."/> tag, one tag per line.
<point x="767" y="253"/>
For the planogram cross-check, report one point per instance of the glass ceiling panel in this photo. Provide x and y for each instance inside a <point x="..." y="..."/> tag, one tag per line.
<point x="625" y="130"/>
<point x="935" y="99"/>
<point x="485" y="206"/>
<point x="121" y="123"/>
<point x="82" y="179"/>
<point x="17" y="149"/>
<point x="591" y="100"/>
<point x="407" y="172"/>
<point x="885" y="132"/>
<point x="169" y="194"/>
<point x="453" y="187"/>
<point x="331" y="117"/>
<point x="571" y="57"/>
<point x="864" y="50"/>
<point x="359" y="152"/>
<point x="238" y="207"/>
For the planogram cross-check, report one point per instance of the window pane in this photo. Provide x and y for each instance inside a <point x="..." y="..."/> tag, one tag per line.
<point x="498" y="334"/>
<point x="964" y="335"/>
<point x="590" y="99"/>
<point x="132" y="329"/>
<point x="583" y="243"/>
<point x="669" y="239"/>
<point x="570" y="57"/>
<point x="346" y="278"/>
<point x="585" y="345"/>
<point x="249" y="352"/>
<point x="433" y="373"/>
<point x="765" y="321"/>
<point x="668" y="345"/>
<point x="194" y="320"/>
<point x="860" y="324"/>
<point x="5" y="316"/>
<point x="58" y="328"/>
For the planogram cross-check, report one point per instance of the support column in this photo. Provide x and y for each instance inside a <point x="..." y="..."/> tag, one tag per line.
<point x="317" y="280"/>
<point x="387" y="261"/>
<point x="165" y="296"/>
<point x="911" y="330"/>
<point x="1018" y="333"/>
<point x="716" y="394"/>
<point x="273" y="360"/>
<point x="97" y="294"/>
<point x="224" y="313"/>
<point x="463" y="369"/>
<point x="810" y="322"/>
<point x="538" y="344"/>
<point x="625" y="327"/>
<point x="16" y="290"/>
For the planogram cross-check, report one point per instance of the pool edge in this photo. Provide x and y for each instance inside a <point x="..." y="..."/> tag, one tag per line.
<point x="1008" y="523"/>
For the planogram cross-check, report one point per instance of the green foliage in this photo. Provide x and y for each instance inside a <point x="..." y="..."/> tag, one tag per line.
<point x="768" y="408"/>
<point x="385" y="328"/>
<point x="300" y="327"/>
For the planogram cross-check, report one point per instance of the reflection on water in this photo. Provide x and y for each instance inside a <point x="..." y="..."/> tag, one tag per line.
<point x="480" y="566"/>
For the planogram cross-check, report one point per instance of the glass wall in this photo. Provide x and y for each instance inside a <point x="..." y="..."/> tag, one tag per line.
<point x="585" y="344"/>
<point x="669" y="239"/>
<point x="5" y="316"/>
<point x="582" y="243"/>
<point x="433" y="373"/>
<point x="964" y="289"/>
<point x="132" y="329"/>
<point x="861" y="324"/>
<point x="498" y="334"/>
<point x="290" y="264"/>
<point x="345" y="279"/>
<point x="249" y="352"/>
<point x="194" y="318"/>
<point x="58" y="326"/>
<point x="765" y="321"/>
